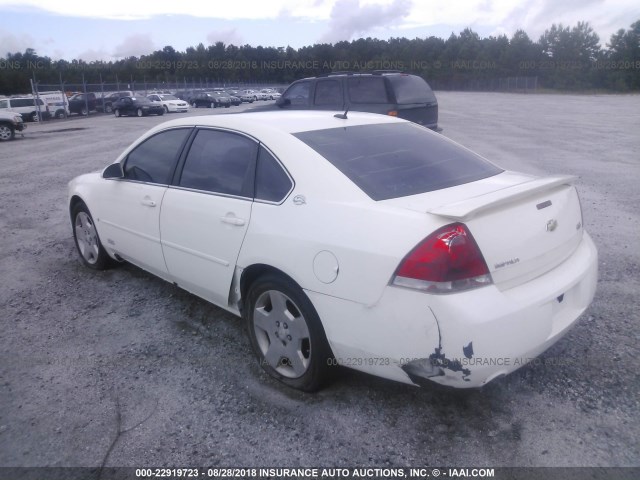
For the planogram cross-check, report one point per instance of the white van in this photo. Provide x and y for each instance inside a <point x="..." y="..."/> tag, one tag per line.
<point x="26" y="106"/>
<point x="57" y="103"/>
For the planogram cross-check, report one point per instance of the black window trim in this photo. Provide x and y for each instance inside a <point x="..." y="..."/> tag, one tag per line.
<point x="291" y="179"/>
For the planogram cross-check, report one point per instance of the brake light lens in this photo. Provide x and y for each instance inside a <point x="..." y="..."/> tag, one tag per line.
<point x="447" y="261"/>
<point x="392" y="113"/>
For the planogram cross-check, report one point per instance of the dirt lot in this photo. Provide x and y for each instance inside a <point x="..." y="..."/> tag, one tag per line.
<point x="122" y="368"/>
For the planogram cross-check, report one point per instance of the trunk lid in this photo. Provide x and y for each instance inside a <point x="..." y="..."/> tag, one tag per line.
<point x="524" y="226"/>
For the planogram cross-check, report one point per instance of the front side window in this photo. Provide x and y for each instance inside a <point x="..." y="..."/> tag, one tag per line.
<point x="220" y="162"/>
<point x="154" y="159"/>
<point x="4" y="103"/>
<point x="298" y="94"/>
<point x="272" y="182"/>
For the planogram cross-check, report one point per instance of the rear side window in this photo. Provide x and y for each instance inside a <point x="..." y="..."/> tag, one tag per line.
<point x="398" y="159"/>
<point x="328" y="92"/>
<point x="154" y="160"/>
<point x="4" y="103"/>
<point x="411" y="89"/>
<point x="220" y="162"/>
<point x="367" y="90"/>
<point x="23" y="102"/>
<point x="272" y="182"/>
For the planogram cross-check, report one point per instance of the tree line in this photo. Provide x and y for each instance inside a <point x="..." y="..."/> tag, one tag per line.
<point x="563" y="58"/>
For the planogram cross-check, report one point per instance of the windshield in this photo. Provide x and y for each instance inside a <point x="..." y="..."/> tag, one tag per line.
<point x="394" y="160"/>
<point x="141" y="100"/>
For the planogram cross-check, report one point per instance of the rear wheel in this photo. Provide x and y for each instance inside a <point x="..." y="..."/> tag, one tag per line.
<point x="91" y="251"/>
<point x="166" y="109"/>
<point x="7" y="132"/>
<point x="35" y="117"/>
<point x="116" y="112"/>
<point x="108" y="108"/>
<point x="286" y="333"/>
<point x="84" y="111"/>
<point x="212" y="105"/>
<point x="139" y="112"/>
<point x="194" y="105"/>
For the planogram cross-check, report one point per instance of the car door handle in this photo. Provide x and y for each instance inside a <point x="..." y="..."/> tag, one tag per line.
<point x="233" y="221"/>
<point x="148" y="202"/>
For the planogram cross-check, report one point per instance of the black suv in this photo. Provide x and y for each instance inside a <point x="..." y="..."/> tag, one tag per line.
<point x="82" y="104"/>
<point x="387" y="92"/>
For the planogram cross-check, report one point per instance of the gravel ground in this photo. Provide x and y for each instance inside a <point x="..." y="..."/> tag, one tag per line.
<point x="122" y="369"/>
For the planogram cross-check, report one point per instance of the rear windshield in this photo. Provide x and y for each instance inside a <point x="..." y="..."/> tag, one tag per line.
<point x="399" y="159"/>
<point x="411" y="89"/>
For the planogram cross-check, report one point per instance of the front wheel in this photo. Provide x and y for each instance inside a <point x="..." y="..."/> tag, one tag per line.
<point x="139" y="112"/>
<point x="116" y="112"/>
<point x="166" y="109"/>
<point x="286" y="333"/>
<point x="84" y="111"/>
<point x="91" y="251"/>
<point x="108" y="108"/>
<point x="212" y="105"/>
<point x="7" y="132"/>
<point x="194" y="105"/>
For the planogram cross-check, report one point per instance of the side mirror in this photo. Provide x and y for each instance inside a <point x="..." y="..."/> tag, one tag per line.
<point x="283" y="102"/>
<point x="113" y="171"/>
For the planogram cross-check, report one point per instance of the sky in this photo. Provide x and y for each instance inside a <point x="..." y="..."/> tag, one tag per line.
<point x="64" y="29"/>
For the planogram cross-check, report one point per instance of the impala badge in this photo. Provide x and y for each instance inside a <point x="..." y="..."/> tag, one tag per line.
<point x="552" y="225"/>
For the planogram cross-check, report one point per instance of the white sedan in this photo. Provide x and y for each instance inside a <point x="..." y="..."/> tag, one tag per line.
<point x="359" y="240"/>
<point x="169" y="102"/>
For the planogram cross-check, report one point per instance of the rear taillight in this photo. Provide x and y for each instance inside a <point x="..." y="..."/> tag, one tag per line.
<point x="393" y="113"/>
<point x="449" y="260"/>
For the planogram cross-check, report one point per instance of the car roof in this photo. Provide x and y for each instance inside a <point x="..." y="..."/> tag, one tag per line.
<point x="277" y="121"/>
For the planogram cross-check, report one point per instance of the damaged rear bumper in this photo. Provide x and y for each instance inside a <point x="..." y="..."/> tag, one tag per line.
<point x="462" y="340"/>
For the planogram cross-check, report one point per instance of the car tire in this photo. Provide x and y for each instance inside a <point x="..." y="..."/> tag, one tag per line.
<point x="116" y="112"/>
<point x="139" y="112"/>
<point x="84" y="111"/>
<point x="85" y="235"/>
<point x="7" y="132"/>
<point x="286" y="333"/>
<point x="34" y="117"/>
<point x="108" y="108"/>
<point x="166" y="109"/>
<point x="60" y="114"/>
<point x="161" y="112"/>
<point x="194" y="105"/>
<point x="212" y="105"/>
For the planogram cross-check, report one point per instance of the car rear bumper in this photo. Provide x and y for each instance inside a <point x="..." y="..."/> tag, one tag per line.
<point x="462" y="340"/>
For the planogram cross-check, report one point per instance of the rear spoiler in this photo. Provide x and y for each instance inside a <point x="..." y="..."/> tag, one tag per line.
<point x="466" y="209"/>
